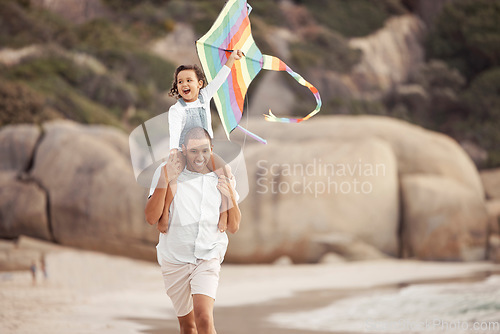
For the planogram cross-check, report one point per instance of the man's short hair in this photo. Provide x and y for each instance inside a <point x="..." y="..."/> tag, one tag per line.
<point x="197" y="133"/>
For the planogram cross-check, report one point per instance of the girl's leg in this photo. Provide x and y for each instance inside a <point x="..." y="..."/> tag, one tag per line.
<point x="204" y="314"/>
<point x="175" y="166"/>
<point x="220" y="168"/>
<point x="163" y="221"/>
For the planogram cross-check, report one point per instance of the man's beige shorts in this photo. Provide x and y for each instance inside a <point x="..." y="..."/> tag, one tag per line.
<point x="184" y="280"/>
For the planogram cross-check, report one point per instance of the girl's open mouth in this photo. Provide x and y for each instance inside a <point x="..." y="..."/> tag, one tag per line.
<point x="186" y="91"/>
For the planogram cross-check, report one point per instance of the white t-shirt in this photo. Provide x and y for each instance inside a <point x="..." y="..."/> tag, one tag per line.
<point x="193" y="222"/>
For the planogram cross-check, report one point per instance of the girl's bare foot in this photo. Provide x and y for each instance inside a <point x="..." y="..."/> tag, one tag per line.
<point x="163" y="223"/>
<point x="222" y="221"/>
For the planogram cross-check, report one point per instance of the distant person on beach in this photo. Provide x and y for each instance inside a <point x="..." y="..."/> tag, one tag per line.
<point x="33" y="271"/>
<point x="191" y="253"/>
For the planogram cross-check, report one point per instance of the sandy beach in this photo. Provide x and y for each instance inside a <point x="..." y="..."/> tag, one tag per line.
<point x="89" y="292"/>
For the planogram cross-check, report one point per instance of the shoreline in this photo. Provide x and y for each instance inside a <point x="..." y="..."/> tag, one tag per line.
<point x="98" y="293"/>
<point x="255" y="318"/>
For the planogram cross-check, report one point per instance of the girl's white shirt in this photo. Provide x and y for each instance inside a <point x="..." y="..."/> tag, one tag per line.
<point x="177" y="113"/>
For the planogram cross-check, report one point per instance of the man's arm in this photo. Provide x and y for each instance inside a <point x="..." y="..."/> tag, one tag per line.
<point x="154" y="206"/>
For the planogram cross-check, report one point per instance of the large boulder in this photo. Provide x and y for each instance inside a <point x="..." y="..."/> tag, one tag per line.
<point x="270" y="221"/>
<point x="328" y="185"/>
<point x="23" y="203"/>
<point x="443" y="220"/>
<point x="417" y="150"/>
<point x="23" y="208"/>
<point x="389" y="55"/>
<point x="491" y="182"/>
<point x="79" y="190"/>
<point x="299" y="193"/>
<point x="17" y="144"/>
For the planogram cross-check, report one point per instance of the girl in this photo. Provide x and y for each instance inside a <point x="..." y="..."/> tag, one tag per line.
<point x="193" y="110"/>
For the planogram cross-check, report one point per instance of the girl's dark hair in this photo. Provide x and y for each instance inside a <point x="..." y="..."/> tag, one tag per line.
<point x="199" y="74"/>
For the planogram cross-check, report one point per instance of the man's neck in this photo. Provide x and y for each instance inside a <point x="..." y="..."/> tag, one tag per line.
<point x="205" y="170"/>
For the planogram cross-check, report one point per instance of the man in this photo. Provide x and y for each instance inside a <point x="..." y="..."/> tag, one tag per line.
<point x="192" y="249"/>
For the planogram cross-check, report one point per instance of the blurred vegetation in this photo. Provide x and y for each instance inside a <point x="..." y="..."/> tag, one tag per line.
<point x="353" y="18"/>
<point x="118" y="75"/>
<point x="102" y="72"/>
<point x="21" y="26"/>
<point x="464" y="95"/>
<point x="325" y="49"/>
<point x="20" y="104"/>
<point x="466" y="35"/>
<point x="483" y="120"/>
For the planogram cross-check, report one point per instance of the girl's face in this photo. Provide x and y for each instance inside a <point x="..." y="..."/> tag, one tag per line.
<point x="188" y="85"/>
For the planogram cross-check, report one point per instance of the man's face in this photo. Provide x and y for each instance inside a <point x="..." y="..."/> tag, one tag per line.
<point x="197" y="153"/>
<point x="188" y="85"/>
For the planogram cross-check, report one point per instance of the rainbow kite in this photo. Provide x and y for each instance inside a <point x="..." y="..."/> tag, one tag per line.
<point x="231" y="31"/>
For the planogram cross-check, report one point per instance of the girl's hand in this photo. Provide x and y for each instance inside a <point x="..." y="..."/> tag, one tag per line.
<point x="223" y="186"/>
<point x="173" y="167"/>
<point x="237" y="54"/>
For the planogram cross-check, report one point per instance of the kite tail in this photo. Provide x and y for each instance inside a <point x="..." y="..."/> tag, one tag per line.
<point x="275" y="64"/>
<point x="253" y="135"/>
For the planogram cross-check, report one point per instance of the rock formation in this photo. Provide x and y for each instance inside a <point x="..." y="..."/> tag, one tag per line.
<point x="78" y="190"/>
<point x="429" y="185"/>
<point x="389" y="55"/>
<point x="361" y="187"/>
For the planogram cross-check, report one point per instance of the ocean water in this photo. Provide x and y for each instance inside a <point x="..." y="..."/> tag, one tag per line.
<point x="472" y="307"/>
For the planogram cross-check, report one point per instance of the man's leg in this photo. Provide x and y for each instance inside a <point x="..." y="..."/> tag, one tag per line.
<point x="204" y="314"/>
<point x="187" y="324"/>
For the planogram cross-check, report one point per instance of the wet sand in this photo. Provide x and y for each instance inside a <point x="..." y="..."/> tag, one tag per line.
<point x="254" y="318"/>
<point x="89" y="292"/>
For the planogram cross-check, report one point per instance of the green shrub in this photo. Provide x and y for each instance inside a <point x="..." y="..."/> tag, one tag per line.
<point x="324" y="49"/>
<point x="149" y="73"/>
<point x="20" y="27"/>
<point x="101" y="35"/>
<point x="108" y="91"/>
<point x="466" y="35"/>
<point x="46" y="67"/>
<point x="81" y="109"/>
<point x="483" y="122"/>
<point x="126" y="5"/>
<point x="354" y="107"/>
<point x="483" y="96"/>
<point x="437" y="102"/>
<point x="21" y="104"/>
<point x="51" y="74"/>
<point x="353" y="18"/>
<point x="268" y="11"/>
<point x="203" y="15"/>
